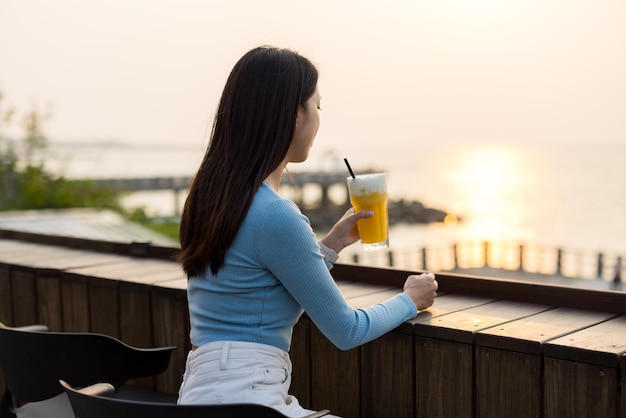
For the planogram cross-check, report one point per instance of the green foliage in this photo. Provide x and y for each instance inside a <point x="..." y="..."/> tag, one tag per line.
<point x="167" y="227"/>
<point x="25" y="184"/>
<point x="33" y="188"/>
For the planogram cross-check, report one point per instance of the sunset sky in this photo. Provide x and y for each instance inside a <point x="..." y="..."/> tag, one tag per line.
<point x="399" y="71"/>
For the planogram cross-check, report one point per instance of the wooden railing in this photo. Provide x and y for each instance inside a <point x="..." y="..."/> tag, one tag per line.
<point x="486" y="348"/>
<point x="525" y="258"/>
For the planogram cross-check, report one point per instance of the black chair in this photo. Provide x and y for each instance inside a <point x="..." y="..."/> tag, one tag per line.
<point x="33" y="361"/>
<point x="96" y="402"/>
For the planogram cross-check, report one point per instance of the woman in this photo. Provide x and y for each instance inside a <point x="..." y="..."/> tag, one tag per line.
<point x="253" y="261"/>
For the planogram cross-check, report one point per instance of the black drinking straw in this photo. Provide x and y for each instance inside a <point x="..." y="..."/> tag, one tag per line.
<point x="345" y="160"/>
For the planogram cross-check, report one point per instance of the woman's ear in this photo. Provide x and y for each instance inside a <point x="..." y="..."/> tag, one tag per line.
<point x="299" y="114"/>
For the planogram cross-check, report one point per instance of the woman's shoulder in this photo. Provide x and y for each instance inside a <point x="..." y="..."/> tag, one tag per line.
<point x="267" y="199"/>
<point x="269" y="206"/>
<point x="277" y="219"/>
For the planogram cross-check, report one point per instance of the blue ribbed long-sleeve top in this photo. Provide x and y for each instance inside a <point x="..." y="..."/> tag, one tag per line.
<point x="272" y="273"/>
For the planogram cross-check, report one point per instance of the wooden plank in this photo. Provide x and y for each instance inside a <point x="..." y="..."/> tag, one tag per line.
<point x="335" y="377"/>
<point x="381" y="295"/>
<point x="136" y="317"/>
<point x="13" y="248"/>
<point x="369" y="275"/>
<point x="57" y="258"/>
<point x="149" y="251"/>
<point x="132" y="270"/>
<point x="170" y="324"/>
<point x="351" y="290"/>
<point x="78" y="259"/>
<point x="331" y="366"/>
<point x="49" y="302"/>
<point x="509" y="361"/>
<point x="160" y="274"/>
<point x="104" y="306"/>
<point x="135" y="321"/>
<point x="462" y="325"/>
<point x="6" y="296"/>
<point x="29" y="256"/>
<point x="443" y="376"/>
<point x="105" y="303"/>
<point x="508" y="383"/>
<point x="581" y="370"/>
<point x="574" y="389"/>
<point x="527" y="335"/>
<point x="542" y="294"/>
<point x="135" y="314"/>
<point x="443" y="366"/>
<point x="24" y="297"/>
<point x="300" y="355"/>
<point x="44" y="263"/>
<point x="449" y="303"/>
<point x="622" y="410"/>
<point x="602" y="344"/>
<point x="75" y="301"/>
<point x="388" y="377"/>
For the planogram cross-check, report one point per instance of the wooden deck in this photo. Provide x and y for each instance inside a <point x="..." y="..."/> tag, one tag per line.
<point x="486" y="348"/>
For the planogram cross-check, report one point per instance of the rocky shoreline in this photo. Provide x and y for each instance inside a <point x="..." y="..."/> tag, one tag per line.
<point x="400" y="211"/>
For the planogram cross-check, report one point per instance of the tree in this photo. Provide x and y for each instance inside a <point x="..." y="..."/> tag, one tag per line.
<point x="26" y="184"/>
<point x="8" y="157"/>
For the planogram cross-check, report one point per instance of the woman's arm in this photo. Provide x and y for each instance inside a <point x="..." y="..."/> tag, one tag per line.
<point x="291" y="252"/>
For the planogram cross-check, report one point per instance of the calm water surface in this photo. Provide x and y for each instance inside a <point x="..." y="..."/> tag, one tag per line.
<point x="569" y="196"/>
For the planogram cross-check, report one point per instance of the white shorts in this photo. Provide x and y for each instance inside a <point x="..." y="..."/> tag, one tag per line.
<point x="240" y="372"/>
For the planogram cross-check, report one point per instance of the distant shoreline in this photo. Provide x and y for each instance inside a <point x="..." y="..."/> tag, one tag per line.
<point x="400" y="211"/>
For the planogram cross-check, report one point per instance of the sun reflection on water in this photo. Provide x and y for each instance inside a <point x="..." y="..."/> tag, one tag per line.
<point x="488" y="186"/>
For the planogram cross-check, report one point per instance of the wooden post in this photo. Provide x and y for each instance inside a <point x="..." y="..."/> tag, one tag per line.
<point x="521" y="257"/>
<point x="456" y="255"/>
<point x="176" y="202"/>
<point x="559" y="258"/>
<point x="486" y="247"/>
<point x="600" y="265"/>
<point x="324" y="199"/>
<point x="390" y="256"/>
<point x="424" y="259"/>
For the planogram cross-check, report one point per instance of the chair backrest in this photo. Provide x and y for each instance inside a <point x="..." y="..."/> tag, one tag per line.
<point x="92" y="402"/>
<point x="34" y="361"/>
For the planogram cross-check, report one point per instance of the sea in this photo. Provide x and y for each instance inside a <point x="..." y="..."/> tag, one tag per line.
<point x="570" y="196"/>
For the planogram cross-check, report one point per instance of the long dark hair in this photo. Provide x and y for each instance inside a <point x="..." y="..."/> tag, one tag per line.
<point x="252" y="131"/>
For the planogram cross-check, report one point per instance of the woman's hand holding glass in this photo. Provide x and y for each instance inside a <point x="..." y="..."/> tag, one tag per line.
<point x="345" y="232"/>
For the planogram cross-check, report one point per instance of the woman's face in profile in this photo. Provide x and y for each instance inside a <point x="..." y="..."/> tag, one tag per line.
<point x="307" y="124"/>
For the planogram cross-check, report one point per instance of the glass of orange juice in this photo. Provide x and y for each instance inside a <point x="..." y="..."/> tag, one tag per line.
<point x="369" y="192"/>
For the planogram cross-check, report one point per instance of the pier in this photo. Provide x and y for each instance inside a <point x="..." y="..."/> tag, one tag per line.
<point x="175" y="185"/>
<point x="322" y="196"/>
<point x="295" y="183"/>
